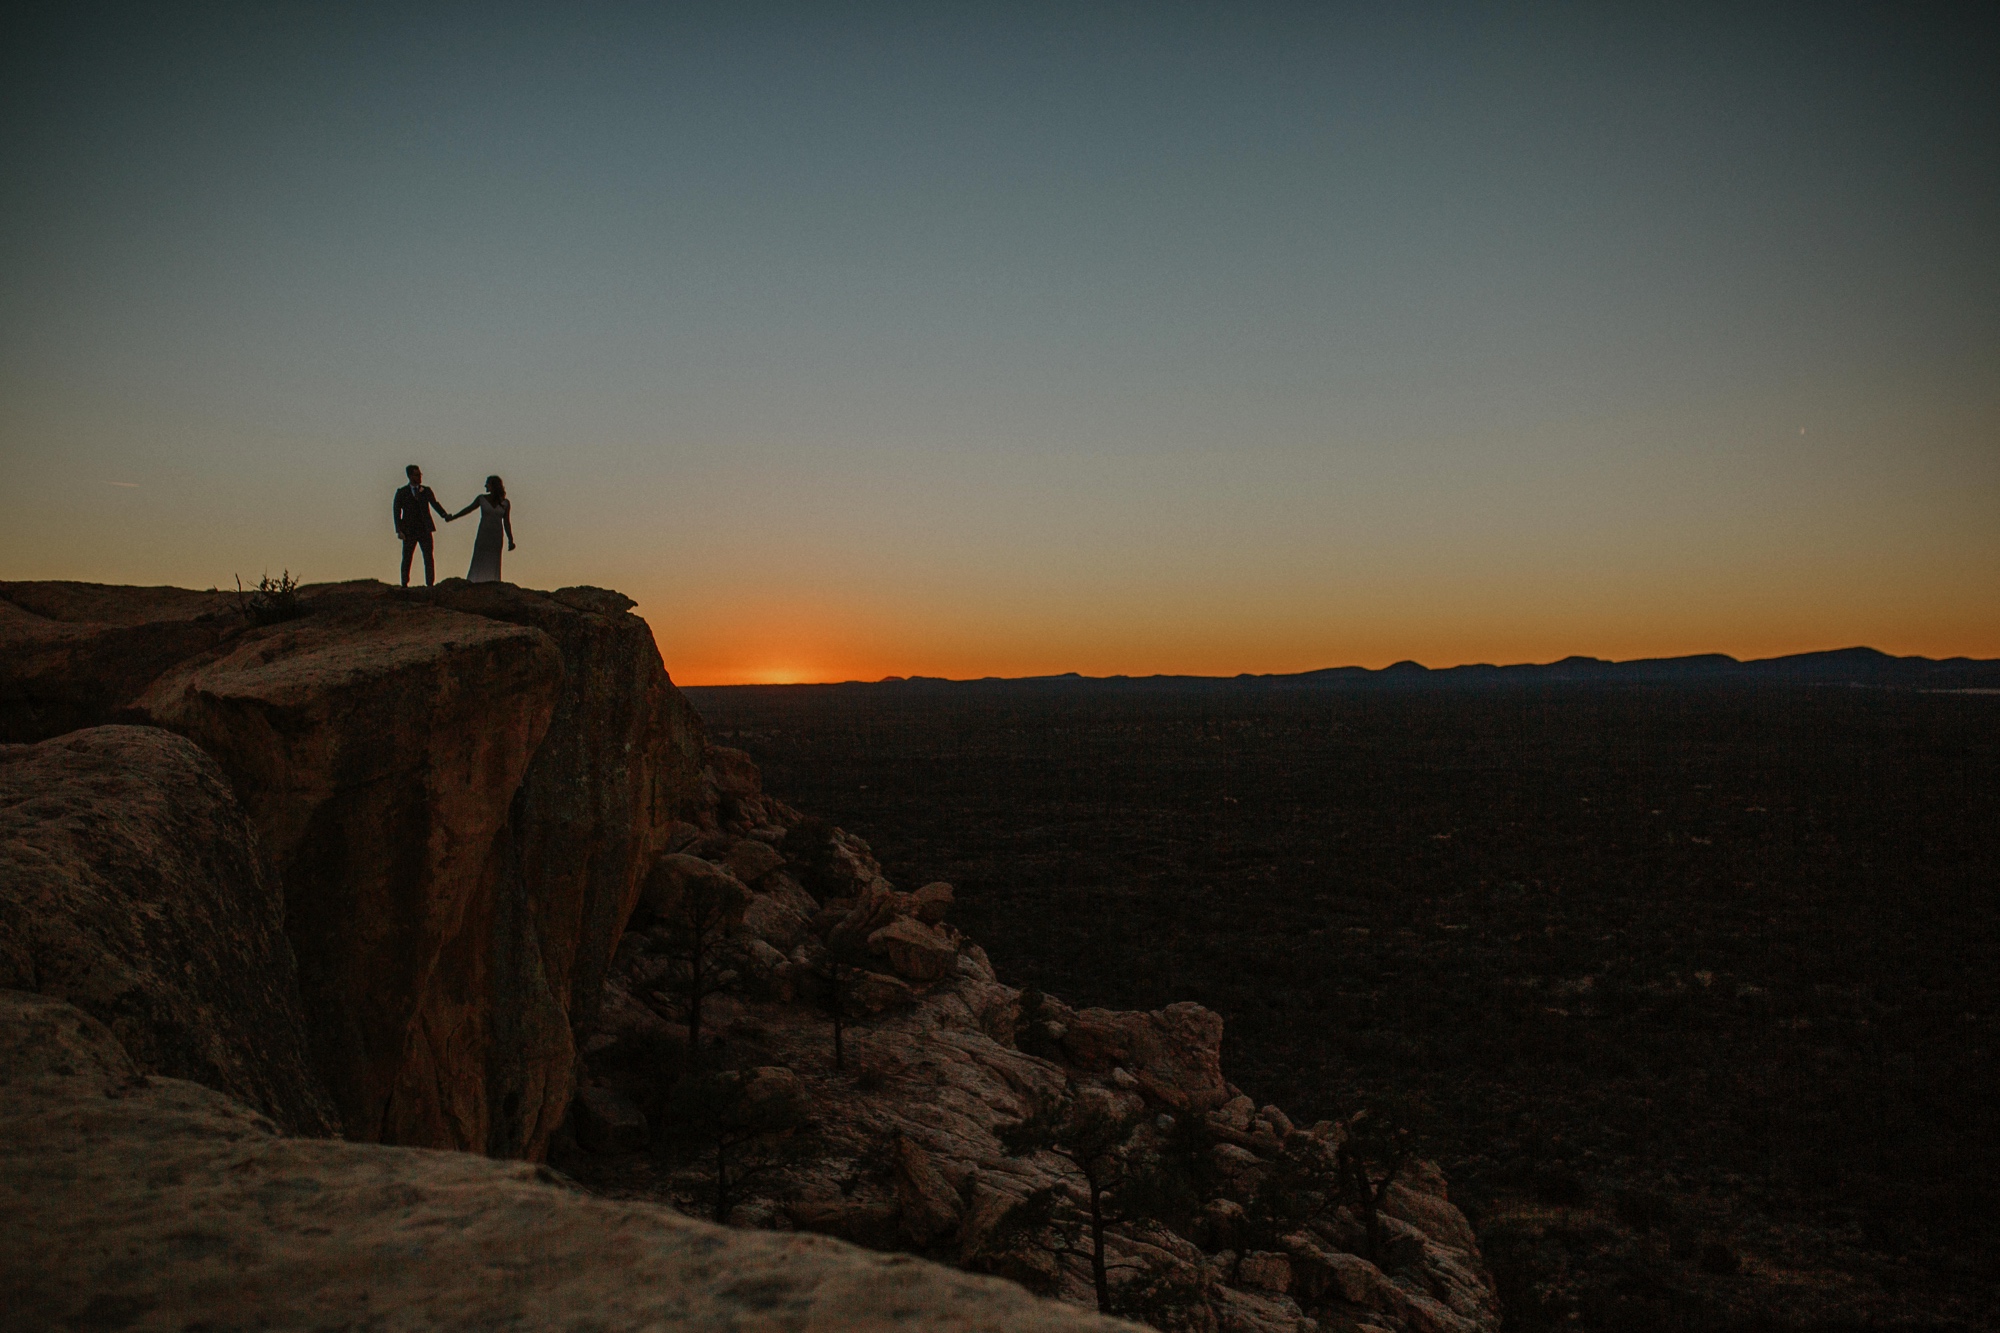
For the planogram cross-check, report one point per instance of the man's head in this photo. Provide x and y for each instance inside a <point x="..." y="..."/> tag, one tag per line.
<point x="416" y="474"/>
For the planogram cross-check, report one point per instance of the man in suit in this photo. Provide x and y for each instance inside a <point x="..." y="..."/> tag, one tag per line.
<point x="412" y="509"/>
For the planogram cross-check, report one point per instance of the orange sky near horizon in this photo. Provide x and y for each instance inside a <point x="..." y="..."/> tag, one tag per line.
<point x="784" y="645"/>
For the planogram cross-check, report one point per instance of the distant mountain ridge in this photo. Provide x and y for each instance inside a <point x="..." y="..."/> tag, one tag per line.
<point x="1858" y="667"/>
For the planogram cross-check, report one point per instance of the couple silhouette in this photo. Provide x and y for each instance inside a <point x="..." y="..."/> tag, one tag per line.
<point x="412" y="510"/>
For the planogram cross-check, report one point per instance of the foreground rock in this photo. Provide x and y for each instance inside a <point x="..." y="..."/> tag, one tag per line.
<point x="130" y="886"/>
<point x="180" y="1208"/>
<point x="458" y="791"/>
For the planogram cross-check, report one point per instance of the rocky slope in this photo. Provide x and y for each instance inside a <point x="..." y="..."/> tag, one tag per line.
<point x="1217" y="1214"/>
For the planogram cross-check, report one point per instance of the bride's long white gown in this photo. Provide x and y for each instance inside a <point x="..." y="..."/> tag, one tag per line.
<point x="486" y="545"/>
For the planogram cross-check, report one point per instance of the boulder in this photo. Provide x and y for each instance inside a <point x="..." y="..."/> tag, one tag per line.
<point x="1418" y="1198"/>
<point x="608" y="1122"/>
<point x="750" y="860"/>
<point x="761" y="958"/>
<point x="733" y="772"/>
<point x="769" y="1099"/>
<point x="873" y="992"/>
<point x="930" y="1207"/>
<point x="874" y="907"/>
<point x="180" y="1208"/>
<point x="1263" y="1270"/>
<point x="980" y="1216"/>
<point x="43" y="1038"/>
<point x="1222" y="1222"/>
<point x="1242" y="1311"/>
<point x="933" y="901"/>
<point x="1359" y="1282"/>
<point x="775" y="922"/>
<point x="671" y="878"/>
<point x="1320" y="1270"/>
<point x="130" y="886"/>
<point x="914" y="949"/>
<point x="1176" y="1050"/>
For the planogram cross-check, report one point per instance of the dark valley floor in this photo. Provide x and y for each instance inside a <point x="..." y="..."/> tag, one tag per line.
<point x="1690" y="990"/>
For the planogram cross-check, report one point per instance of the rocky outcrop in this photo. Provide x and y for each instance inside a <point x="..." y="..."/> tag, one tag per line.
<point x="180" y="1208"/>
<point x="950" y="1122"/>
<point x="488" y="830"/>
<point x="458" y="789"/>
<point x="130" y="887"/>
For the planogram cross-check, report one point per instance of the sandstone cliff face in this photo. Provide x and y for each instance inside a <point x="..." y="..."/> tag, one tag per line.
<point x="619" y="766"/>
<point x="458" y="790"/>
<point x="130" y="887"/>
<point x="180" y="1208"/>
<point x="378" y="750"/>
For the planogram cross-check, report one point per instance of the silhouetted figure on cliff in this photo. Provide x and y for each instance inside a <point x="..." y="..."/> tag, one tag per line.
<point x="412" y="510"/>
<point x="495" y="517"/>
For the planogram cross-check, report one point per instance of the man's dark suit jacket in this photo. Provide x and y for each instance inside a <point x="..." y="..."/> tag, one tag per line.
<point x="413" y="511"/>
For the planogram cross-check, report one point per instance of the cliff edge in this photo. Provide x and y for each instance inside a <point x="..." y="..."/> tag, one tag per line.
<point x="455" y="791"/>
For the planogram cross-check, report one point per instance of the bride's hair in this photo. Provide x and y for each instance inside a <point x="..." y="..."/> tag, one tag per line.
<point x="496" y="487"/>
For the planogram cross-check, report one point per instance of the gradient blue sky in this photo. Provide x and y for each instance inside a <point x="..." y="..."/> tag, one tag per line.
<point x="965" y="339"/>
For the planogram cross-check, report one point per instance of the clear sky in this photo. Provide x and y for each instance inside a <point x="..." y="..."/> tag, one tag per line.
<point x="964" y="339"/>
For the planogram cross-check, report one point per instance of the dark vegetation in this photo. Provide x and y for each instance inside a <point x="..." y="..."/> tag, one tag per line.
<point x="1692" y="991"/>
<point x="695" y="952"/>
<point x="272" y="601"/>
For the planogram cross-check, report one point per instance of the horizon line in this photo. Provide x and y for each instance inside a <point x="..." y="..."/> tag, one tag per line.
<point x="1856" y="653"/>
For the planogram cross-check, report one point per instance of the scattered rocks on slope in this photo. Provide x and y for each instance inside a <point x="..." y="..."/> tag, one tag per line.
<point x="917" y="1141"/>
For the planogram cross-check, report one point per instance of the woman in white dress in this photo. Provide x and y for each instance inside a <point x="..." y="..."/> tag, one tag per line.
<point x="495" y="518"/>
